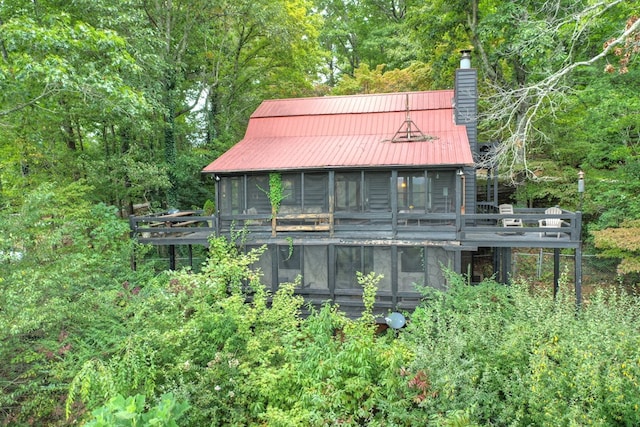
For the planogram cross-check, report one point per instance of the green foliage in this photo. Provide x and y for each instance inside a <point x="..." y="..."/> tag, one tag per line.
<point x="240" y="355"/>
<point x="418" y="76"/>
<point x="92" y="90"/>
<point x="75" y="263"/>
<point x="276" y="191"/>
<point x="131" y="412"/>
<point x="512" y="358"/>
<point x="621" y="243"/>
<point x="219" y="343"/>
<point x="209" y="207"/>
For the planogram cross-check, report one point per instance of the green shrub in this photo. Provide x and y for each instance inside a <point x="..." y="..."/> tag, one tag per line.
<point x="130" y="412"/>
<point x="512" y="358"/>
<point x="79" y="327"/>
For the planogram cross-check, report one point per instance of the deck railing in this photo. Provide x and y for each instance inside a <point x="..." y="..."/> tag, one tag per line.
<point x="486" y="226"/>
<point x="171" y="224"/>
<point x="477" y="227"/>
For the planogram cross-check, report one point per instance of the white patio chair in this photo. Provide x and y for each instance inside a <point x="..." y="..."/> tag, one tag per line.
<point x="551" y="222"/>
<point x="509" y="222"/>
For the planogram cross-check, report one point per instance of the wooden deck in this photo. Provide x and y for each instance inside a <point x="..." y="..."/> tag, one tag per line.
<point x="453" y="232"/>
<point x="468" y="231"/>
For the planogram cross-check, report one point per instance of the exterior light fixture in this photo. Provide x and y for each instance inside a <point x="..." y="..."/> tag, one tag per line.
<point x="580" y="188"/>
<point x="465" y="59"/>
<point x="580" y="182"/>
<point x="395" y="320"/>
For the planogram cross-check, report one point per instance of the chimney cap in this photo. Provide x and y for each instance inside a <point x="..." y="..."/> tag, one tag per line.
<point x="465" y="58"/>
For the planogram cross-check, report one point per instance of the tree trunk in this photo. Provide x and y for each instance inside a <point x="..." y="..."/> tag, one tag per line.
<point x="170" y="150"/>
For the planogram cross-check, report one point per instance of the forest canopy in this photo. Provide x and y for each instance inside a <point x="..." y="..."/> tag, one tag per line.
<point x="134" y="97"/>
<point x="111" y="105"/>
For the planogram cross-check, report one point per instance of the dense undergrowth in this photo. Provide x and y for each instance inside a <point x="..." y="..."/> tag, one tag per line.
<point x="86" y="341"/>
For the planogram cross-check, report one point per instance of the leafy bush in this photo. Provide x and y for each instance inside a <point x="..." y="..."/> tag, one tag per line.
<point x="240" y="355"/>
<point x="64" y="302"/>
<point x="510" y="358"/>
<point x="130" y="412"/>
<point x="84" y="339"/>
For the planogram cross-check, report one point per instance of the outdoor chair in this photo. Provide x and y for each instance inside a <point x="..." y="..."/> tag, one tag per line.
<point x="551" y="222"/>
<point x="509" y="222"/>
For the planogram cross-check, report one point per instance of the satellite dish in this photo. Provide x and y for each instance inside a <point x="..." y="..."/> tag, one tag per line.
<point x="395" y="320"/>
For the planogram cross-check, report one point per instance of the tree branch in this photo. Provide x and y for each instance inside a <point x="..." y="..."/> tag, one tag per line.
<point x="516" y="110"/>
<point x="45" y="92"/>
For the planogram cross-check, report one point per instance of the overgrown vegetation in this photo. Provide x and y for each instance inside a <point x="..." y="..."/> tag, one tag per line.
<point x="98" y="109"/>
<point x="134" y="98"/>
<point x="87" y="341"/>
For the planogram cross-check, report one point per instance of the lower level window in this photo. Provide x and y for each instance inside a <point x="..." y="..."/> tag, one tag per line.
<point x="349" y="261"/>
<point x="412" y="260"/>
<point x="289" y="257"/>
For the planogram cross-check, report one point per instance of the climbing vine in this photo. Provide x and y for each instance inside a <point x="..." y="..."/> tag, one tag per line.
<point x="290" y="243"/>
<point x="276" y="191"/>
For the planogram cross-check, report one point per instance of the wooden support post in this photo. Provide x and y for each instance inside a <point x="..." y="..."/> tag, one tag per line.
<point x="394" y="277"/>
<point x="578" y="274"/>
<point x="172" y="257"/>
<point x="556" y="271"/>
<point x="332" y="202"/>
<point x="505" y="265"/>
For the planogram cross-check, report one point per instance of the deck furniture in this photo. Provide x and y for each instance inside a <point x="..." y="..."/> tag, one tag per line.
<point x="554" y="223"/>
<point x="505" y="209"/>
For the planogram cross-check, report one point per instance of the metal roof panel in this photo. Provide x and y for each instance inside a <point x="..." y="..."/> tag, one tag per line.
<point x="348" y="131"/>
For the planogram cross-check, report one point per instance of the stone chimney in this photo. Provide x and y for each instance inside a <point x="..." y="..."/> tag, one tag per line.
<point x="465" y="104"/>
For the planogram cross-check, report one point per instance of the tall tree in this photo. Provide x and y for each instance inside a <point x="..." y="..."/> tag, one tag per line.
<point x="230" y="54"/>
<point x="364" y="32"/>
<point x="256" y="50"/>
<point x="59" y="75"/>
<point x="109" y="90"/>
<point x="525" y="66"/>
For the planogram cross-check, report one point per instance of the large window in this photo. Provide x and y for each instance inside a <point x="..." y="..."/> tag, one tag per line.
<point x="412" y="267"/>
<point x="315" y="192"/>
<point x="308" y="261"/>
<point x="232" y="195"/>
<point x="289" y="262"/>
<point x="315" y="272"/>
<point x="348" y="192"/>
<point x="303" y="192"/>
<point x="292" y="189"/>
<point x="350" y="260"/>
<point x="264" y="265"/>
<point x="414" y="191"/>
<point x="412" y="259"/>
<point x="443" y="183"/>
<point x="377" y="191"/>
<point x="258" y="194"/>
<point x="364" y="259"/>
<point x="363" y="191"/>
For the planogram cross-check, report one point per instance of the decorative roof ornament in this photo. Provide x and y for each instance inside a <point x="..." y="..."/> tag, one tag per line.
<point x="409" y="131"/>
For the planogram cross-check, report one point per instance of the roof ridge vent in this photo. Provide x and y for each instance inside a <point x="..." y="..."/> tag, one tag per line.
<point x="409" y="131"/>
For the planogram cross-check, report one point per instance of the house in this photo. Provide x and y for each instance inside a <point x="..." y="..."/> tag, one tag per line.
<point x="381" y="183"/>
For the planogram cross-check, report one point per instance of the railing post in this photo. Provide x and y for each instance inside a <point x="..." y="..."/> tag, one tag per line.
<point x="332" y="202"/>
<point x="578" y="260"/>
<point x="133" y="228"/>
<point x="578" y="227"/>
<point x="578" y="275"/>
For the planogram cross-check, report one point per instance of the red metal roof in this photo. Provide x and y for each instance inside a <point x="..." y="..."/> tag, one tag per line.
<point x="348" y="131"/>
